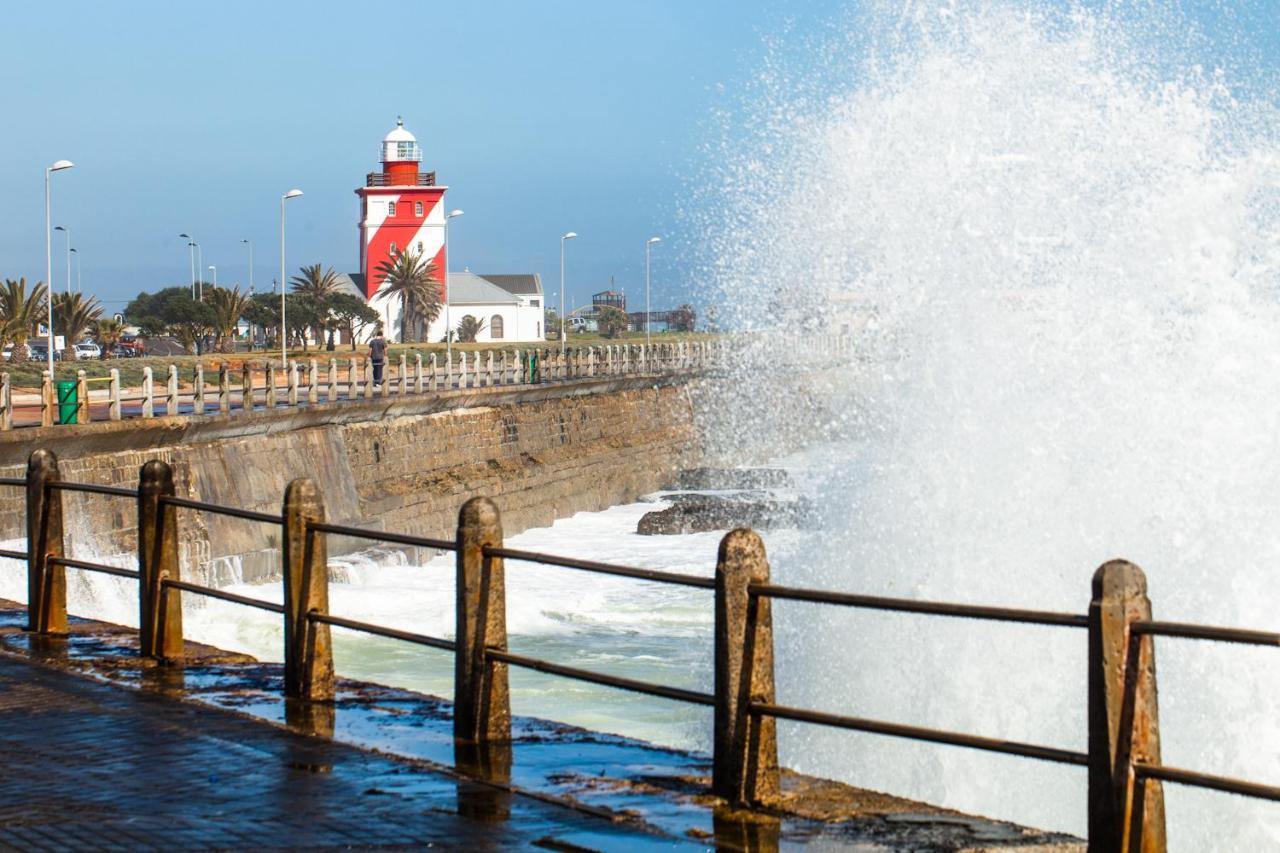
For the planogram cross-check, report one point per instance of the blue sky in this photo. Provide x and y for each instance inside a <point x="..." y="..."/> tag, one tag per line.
<point x="542" y="117"/>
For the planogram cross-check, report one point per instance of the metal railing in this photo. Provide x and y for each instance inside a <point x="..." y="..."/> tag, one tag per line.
<point x="385" y="179"/>
<point x="267" y="387"/>
<point x="1125" y="773"/>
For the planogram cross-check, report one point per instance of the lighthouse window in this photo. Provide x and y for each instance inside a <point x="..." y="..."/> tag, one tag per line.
<point x="417" y="208"/>
<point x="419" y="247"/>
<point x="405" y="151"/>
<point x="391" y="208"/>
<point x="393" y="250"/>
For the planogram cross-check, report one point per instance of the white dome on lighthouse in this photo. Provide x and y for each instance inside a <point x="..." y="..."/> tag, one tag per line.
<point x="400" y="145"/>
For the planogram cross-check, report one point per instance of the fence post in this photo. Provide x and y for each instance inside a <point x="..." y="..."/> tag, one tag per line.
<point x="46" y="399"/>
<point x="482" y="704"/>
<point x="448" y="372"/>
<point x="367" y="371"/>
<point x="332" y="394"/>
<point x="313" y="380"/>
<point x="197" y="398"/>
<point x="745" y="763"/>
<point x="246" y="388"/>
<point x="6" y="402"/>
<point x="404" y="374"/>
<point x="160" y="610"/>
<point x="269" y="384"/>
<point x="353" y="380"/>
<point x="1124" y="724"/>
<point x="308" y="654"/>
<point x="46" y="584"/>
<point x="82" y="398"/>
<point x="171" y="400"/>
<point x="148" y="393"/>
<point x="224" y="389"/>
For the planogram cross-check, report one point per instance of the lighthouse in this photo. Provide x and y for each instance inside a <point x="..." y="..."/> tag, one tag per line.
<point x="401" y="210"/>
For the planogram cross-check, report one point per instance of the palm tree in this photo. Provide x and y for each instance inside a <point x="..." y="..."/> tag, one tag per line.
<point x="414" y="281"/>
<point x="229" y="305"/>
<point x="321" y="287"/>
<point x="108" y="333"/>
<point x="468" y="328"/>
<point x="73" y="315"/>
<point x="20" y="314"/>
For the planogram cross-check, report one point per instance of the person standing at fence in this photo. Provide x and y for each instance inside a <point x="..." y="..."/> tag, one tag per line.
<point x="377" y="354"/>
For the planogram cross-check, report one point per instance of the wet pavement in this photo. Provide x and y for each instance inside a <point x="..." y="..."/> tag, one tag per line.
<point x="100" y="749"/>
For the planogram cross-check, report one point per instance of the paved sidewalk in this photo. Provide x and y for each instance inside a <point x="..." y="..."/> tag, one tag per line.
<point x="85" y="765"/>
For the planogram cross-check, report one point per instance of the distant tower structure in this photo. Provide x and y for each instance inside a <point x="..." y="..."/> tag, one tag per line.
<point x="401" y="210"/>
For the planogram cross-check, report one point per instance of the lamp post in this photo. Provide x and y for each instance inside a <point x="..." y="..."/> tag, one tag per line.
<point x="79" y="271"/>
<point x="213" y="268"/>
<point x="648" y="245"/>
<point x="564" y="326"/>
<point x="48" y="250"/>
<point x="448" y="323"/>
<point x="191" y="246"/>
<point x="66" y="231"/>
<point x="249" y="243"/>
<point x="284" y="334"/>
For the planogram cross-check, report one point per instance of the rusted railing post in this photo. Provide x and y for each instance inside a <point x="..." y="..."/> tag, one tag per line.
<point x="82" y="397"/>
<point x="197" y="397"/>
<point x="6" y="402"/>
<point x="148" y="393"/>
<point x="171" y="396"/>
<point x="308" y="654"/>
<point x="482" y="704"/>
<point x="1123" y="721"/>
<point x="46" y="584"/>
<point x="745" y="763"/>
<point x="160" y="610"/>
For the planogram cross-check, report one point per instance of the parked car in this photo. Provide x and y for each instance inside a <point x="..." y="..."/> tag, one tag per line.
<point x="88" y="350"/>
<point x="41" y="353"/>
<point x="123" y="351"/>
<point x="7" y="353"/>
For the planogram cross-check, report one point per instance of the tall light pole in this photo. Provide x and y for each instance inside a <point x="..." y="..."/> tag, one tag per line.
<point x="48" y="250"/>
<point x="191" y="245"/>
<point x="564" y="325"/>
<point x="249" y="243"/>
<point x="448" y="324"/>
<point x="648" y="245"/>
<point x="284" y="335"/>
<point x="66" y="231"/>
<point x="79" y="271"/>
<point x="213" y="268"/>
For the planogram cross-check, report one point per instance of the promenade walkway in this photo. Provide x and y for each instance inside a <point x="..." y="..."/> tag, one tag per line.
<point x="86" y="765"/>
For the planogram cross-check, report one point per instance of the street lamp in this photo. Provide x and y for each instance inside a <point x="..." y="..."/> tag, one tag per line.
<point x="284" y="337"/>
<point x="192" y="245"/>
<point x="67" y="231"/>
<point x="648" y="244"/>
<point x="48" y="250"/>
<point x="79" y="271"/>
<point x="249" y="243"/>
<point x="213" y="268"/>
<point x="448" y="326"/>
<point x="564" y="326"/>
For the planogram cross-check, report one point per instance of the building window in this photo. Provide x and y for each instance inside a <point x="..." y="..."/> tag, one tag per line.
<point x="495" y="327"/>
<point x="391" y="208"/>
<point x="393" y="250"/>
<point x="417" y="208"/>
<point x="535" y="303"/>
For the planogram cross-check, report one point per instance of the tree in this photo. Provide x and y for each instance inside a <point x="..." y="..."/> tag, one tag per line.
<point x="73" y="316"/>
<point x="320" y="287"/>
<point x="468" y="328"/>
<point x="108" y="333"/>
<point x="611" y="321"/>
<point x="263" y="309"/>
<point x="173" y="312"/>
<point x="20" y="314"/>
<point x="553" y="323"/>
<point x="228" y="305"/>
<point x="303" y="312"/>
<point x="414" y="281"/>
<point x="350" y="312"/>
<point x="683" y="319"/>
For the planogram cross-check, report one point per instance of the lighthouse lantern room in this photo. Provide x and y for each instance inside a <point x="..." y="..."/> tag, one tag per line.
<point x="401" y="210"/>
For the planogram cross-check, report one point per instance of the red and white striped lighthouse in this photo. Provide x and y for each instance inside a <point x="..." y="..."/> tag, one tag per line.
<point x="401" y="210"/>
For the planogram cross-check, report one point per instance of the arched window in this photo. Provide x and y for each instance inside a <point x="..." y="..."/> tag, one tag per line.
<point x="495" y="327"/>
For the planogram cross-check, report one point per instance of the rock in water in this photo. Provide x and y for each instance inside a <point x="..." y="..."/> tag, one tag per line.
<point x="694" y="513"/>
<point x="735" y="478"/>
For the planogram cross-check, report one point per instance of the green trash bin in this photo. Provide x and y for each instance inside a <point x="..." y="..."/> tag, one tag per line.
<point x="68" y="401"/>
<point x="532" y="371"/>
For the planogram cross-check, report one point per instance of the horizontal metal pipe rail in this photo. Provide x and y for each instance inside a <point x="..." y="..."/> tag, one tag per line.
<point x="88" y="566"/>
<point x="932" y="608"/>
<point x="378" y="630"/>
<point x="381" y="536"/>
<point x="1193" y="779"/>
<point x="19" y="482"/>
<point x="14" y="555"/>
<point x="860" y="724"/>
<point x="677" y="693"/>
<point x="219" y="509"/>
<point x="94" y="488"/>
<point x="601" y="568"/>
<point x="224" y="596"/>
<point x="1206" y="632"/>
